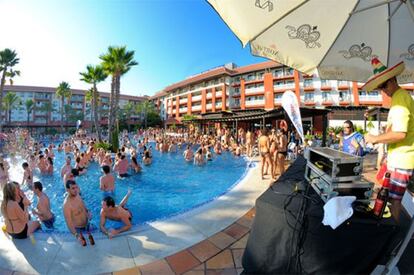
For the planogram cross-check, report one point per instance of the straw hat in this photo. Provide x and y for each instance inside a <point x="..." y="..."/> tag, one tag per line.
<point x="382" y="74"/>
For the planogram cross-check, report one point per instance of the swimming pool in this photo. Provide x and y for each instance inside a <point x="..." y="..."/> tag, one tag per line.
<point x="169" y="186"/>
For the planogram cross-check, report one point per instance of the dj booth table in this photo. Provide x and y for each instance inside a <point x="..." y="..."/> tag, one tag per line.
<point x="356" y="246"/>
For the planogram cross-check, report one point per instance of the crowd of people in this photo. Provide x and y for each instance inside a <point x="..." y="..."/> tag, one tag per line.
<point x="80" y="150"/>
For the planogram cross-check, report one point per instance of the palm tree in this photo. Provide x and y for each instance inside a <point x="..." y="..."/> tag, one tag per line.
<point x="116" y="62"/>
<point x="8" y="59"/>
<point x="127" y="112"/>
<point x="144" y="108"/>
<point x="12" y="73"/>
<point x="47" y="107"/>
<point x="63" y="91"/>
<point x="10" y="101"/>
<point x="94" y="75"/>
<point x="29" y="104"/>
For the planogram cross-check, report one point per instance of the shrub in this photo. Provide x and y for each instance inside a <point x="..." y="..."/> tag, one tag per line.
<point x="104" y="145"/>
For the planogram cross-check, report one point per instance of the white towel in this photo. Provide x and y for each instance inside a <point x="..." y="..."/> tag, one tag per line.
<point x="337" y="210"/>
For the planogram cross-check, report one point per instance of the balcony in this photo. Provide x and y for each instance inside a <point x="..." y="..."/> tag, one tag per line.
<point x="196" y="108"/>
<point x="183" y="110"/>
<point x="255" y="90"/>
<point x="343" y="85"/>
<point x="370" y="98"/>
<point x="209" y="106"/>
<point x="183" y="100"/>
<point x="255" y="102"/>
<point x="218" y="94"/>
<point x="196" y="98"/>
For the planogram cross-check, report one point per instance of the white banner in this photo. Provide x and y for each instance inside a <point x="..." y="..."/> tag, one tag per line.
<point x="291" y="106"/>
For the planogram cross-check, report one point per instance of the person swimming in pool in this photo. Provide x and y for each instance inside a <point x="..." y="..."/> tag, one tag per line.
<point x="117" y="213"/>
<point x="77" y="216"/>
<point x="42" y="210"/>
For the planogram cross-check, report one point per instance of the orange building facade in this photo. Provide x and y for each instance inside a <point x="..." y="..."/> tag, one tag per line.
<point x="258" y="86"/>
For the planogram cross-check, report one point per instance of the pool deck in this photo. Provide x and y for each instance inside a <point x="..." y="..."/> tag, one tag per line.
<point x="56" y="254"/>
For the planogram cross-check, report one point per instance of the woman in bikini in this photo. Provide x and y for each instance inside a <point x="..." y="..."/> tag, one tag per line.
<point x="282" y="150"/>
<point x="18" y="225"/>
<point x="134" y="163"/>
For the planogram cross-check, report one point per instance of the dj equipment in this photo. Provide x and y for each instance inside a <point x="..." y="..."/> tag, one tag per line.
<point x="334" y="173"/>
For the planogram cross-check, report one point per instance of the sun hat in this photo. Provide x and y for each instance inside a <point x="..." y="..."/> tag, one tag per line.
<point x="382" y="74"/>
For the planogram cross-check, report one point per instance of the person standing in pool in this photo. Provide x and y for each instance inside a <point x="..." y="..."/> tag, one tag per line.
<point x="42" y="211"/>
<point x="76" y="214"/>
<point x="66" y="168"/>
<point x="121" y="166"/>
<point x="27" y="175"/>
<point x="107" y="181"/>
<point x="117" y="213"/>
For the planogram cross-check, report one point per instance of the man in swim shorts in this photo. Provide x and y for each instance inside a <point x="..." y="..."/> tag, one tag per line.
<point x="76" y="214"/>
<point x="115" y="212"/>
<point x="42" y="211"/>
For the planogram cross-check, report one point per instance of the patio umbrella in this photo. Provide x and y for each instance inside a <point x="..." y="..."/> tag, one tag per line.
<point x="335" y="38"/>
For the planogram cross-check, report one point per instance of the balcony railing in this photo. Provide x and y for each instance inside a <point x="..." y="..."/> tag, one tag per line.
<point x="370" y="98"/>
<point x="254" y="102"/>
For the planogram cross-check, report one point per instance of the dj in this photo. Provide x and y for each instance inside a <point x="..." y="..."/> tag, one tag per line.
<point x="399" y="134"/>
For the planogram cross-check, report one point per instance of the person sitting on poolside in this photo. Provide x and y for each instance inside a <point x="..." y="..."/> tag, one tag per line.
<point x="76" y="214"/>
<point x="16" y="219"/>
<point x="107" y="181"/>
<point x="27" y="175"/>
<point x="121" y="166"/>
<point x="188" y="153"/>
<point x="146" y="159"/>
<point x="115" y="212"/>
<point x="42" y="210"/>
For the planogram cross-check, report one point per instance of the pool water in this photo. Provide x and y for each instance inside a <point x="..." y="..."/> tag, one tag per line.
<point x="169" y="186"/>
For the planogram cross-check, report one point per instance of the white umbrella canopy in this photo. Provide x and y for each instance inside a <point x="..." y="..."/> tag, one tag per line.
<point x="334" y="38"/>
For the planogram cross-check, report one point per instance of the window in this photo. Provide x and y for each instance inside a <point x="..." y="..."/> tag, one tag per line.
<point x="250" y="77"/>
<point x="290" y="83"/>
<point x="289" y="71"/>
<point x="237" y="90"/>
<point x="325" y="83"/>
<point x="278" y="73"/>
<point x="261" y="75"/>
<point x="278" y="96"/>
<point x="344" y="96"/>
<point x="309" y="97"/>
<point x="279" y="83"/>
<point x="308" y="83"/>
<point x="326" y="96"/>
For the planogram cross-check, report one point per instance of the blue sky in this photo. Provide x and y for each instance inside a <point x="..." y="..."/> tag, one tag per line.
<point x="172" y="40"/>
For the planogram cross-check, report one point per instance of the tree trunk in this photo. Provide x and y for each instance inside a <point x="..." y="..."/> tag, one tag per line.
<point x="61" y="114"/>
<point x="111" y="110"/>
<point x="95" y="112"/>
<point x="2" y="82"/>
<point x="10" y="110"/>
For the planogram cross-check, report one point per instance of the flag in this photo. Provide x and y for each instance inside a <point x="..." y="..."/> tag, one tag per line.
<point x="291" y="107"/>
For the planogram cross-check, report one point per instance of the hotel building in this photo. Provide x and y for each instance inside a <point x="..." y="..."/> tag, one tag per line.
<point x="261" y="86"/>
<point x="42" y="96"/>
